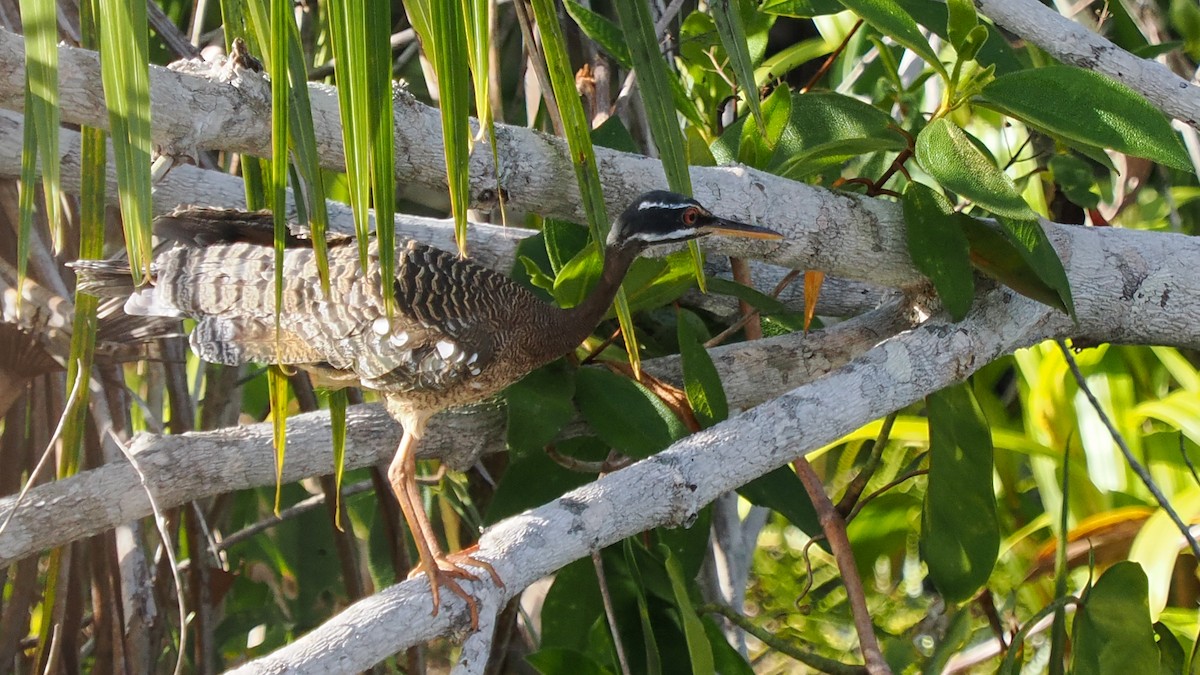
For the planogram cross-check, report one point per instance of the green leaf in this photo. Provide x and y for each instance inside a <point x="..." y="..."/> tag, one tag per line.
<point x="444" y="38"/>
<point x="969" y="49"/>
<point x="770" y="308"/>
<point x="827" y="129"/>
<point x="93" y="185"/>
<point x="792" y="56"/>
<point x="782" y="492"/>
<point x="726" y="659"/>
<point x="947" y="154"/>
<point x="1087" y="107"/>
<point x="1076" y="179"/>
<point x="701" y="382"/>
<point x="625" y="414"/>
<point x="572" y="606"/>
<point x="889" y="18"/>
<point x="960" y="535"/>
<point x="1112" y="633"/>
<point x="564" y="241"/>
<point x="756" y="147"/>
<point x="602" y="31"/>
<point x="533" y="478"/>
<point x="699" y="649"/>
<point x="649" y="639"/>
<point x="1170" y="653"/>
<point x="961" y="21"/>
<point x="654" y="283"/>
<point x="996" y="256"/>
<point x="801" y="9"/>
<point x="1030" y="240"/>
<point x="278" y="390"/>
<point x="938" y="247"/>
<point x="539" y="405"/>
<point x="578" y="276"/>
<point x="42" y="109"/>
<point x="728" y="18"/>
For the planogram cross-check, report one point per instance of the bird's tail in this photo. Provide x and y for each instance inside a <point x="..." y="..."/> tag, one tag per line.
<point x="103" y="278"/>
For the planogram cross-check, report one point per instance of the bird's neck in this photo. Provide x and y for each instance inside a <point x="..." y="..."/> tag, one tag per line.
<point x="579" y="321"/>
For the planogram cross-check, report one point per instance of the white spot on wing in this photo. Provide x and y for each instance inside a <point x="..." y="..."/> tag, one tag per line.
<point x="381" y="326"/>
<point x="445" y="348"/>
<point x="399" y="339"/>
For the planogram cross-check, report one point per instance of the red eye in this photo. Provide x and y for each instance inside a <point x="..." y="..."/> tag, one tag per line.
<point x="690" y="216"/>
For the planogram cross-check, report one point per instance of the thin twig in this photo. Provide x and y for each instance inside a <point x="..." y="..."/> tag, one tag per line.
<point x="160" y="523"/>
<point x="867" y="500"/>
<point x="859" y="483"/>
<point x="1187" y="460"/>
<point x="1134" y="464"/>
<point x="610" y="613"/>
<point x="812" y="81"/>
<point x="821" y="663"/>
<point x="835" y="530"/>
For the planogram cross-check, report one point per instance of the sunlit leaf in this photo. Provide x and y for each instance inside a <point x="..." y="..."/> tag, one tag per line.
<point x="1090" y="108"/>
<point x="889" y="18"/>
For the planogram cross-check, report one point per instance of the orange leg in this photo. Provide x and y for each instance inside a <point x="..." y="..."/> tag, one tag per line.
<point x="440" y="570"/>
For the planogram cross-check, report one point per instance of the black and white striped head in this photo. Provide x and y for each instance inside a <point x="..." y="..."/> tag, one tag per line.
<point x="662" y="217"/>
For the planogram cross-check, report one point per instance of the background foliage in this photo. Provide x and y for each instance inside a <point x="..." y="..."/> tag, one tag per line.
<point x="956" y="507"/>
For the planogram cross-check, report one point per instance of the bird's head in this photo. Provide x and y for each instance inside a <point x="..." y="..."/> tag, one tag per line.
<point x="662" y="217"/>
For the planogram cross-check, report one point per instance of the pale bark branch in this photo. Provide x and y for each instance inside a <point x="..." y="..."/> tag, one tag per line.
<point x="1128" y="286"/>
<point x="230" y="111"/>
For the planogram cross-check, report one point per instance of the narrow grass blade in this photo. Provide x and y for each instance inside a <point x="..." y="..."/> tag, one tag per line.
<point x="654" y="81"/>
<point x="281" y="16"/>
<point x="25" y="199"/>
<point x="583" y="156"/>
<point x="125" y="74"/>
<point x="383" y="145"/>
<point x="447" y="45"/>
<point x="728" y="17"/>
<point x="41" y="103"/>
<point x="337" y="424"/>
<point x="277" y="388"/>
<point x="347" y="33"/>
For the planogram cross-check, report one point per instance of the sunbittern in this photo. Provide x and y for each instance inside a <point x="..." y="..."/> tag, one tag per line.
<point x="460" y="332"/>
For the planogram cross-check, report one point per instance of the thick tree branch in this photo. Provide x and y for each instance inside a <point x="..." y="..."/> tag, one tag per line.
<point x="190" y="112"/>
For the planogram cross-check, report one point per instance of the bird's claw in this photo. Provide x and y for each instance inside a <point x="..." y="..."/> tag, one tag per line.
<point x="449" y="570"/>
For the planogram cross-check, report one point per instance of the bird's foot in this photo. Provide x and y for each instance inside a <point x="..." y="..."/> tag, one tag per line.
<point x="448" y="570"/>
<point x="467" y="557"/>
